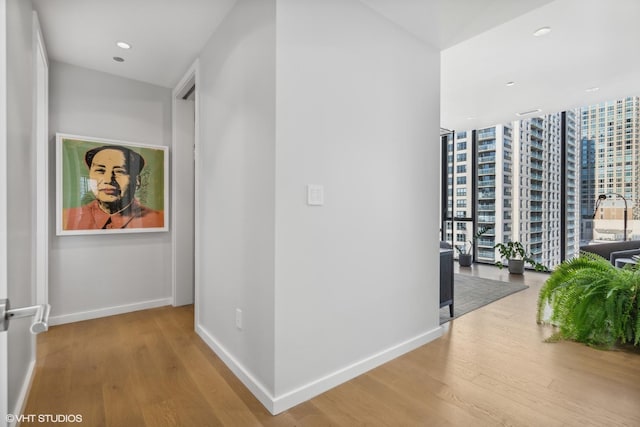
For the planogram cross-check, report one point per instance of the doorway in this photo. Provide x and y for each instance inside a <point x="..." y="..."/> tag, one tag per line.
<point x="183" y="189"/>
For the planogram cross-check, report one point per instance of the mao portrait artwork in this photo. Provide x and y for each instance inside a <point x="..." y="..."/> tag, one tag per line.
<point x="110" y="187"/>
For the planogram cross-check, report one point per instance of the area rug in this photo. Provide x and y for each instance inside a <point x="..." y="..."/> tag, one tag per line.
<point x="471" y="293"/>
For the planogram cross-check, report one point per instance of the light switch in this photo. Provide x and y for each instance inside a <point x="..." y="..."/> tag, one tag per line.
<point x="315" y="195"/>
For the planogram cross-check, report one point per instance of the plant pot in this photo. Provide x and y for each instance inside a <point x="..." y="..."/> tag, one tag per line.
<point x="465" y="260"/>
<point x="516" y="266"/>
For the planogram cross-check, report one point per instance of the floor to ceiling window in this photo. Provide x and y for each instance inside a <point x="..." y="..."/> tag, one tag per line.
<point x="553" y="182"/>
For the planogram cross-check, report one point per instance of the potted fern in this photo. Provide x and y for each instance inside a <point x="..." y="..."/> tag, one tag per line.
<point x="465" y="257"/>
<point x="516" y="257"/>
<point x="593" y="302"/>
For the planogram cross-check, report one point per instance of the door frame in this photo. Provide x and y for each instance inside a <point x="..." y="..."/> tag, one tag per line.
<point x="41" y="136"/>
<point x="4" y="362"/>
<point x="190" y="78"/>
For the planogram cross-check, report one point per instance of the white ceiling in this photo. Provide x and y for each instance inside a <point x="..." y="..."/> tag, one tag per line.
<point x="486" y="43"/>
<point x="593" y="43"/>
<point x="443" y="23"/>
<point x="166" y="35"/>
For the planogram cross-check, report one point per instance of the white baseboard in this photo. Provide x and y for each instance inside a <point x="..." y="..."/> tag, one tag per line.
<point x="314" y="388"/>
<point x="24" y="392"/>
<point x="254" y="386"/>
<point x="108" y="311"/>
<point x="277" y="404"/>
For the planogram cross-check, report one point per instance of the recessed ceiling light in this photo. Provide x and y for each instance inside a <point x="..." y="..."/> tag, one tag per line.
<point x="543" y="31"/>
<point x="537" y="110"/>
<point x="510" y="83"/>
<point x="592" y="89"/>
<point x="123" y="45"/>
<point x="470" y="118"/>
<point x="118" y="59"/>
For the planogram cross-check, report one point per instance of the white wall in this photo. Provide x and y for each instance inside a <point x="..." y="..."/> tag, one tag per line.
<point x="19" y="175"/>
<point x="96" y="275"/>
<point x="236" y="181"/>
<point x="357" y="112"/>
<point x="298" y="92"/>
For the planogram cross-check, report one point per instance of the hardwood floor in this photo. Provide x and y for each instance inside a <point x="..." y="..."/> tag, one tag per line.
<point x="490" y="368"/>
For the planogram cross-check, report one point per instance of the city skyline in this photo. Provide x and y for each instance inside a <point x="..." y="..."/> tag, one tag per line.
<point x="536" y="180"/>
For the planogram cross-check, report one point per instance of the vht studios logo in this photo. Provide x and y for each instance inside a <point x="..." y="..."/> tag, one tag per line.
<point x="44" y="418"/>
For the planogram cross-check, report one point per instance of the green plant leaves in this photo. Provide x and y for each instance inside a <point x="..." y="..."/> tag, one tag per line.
<point x="515" y="250"/>
<point x="593" y="301"/>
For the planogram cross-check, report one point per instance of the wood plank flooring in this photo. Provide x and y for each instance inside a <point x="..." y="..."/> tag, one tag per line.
<point x="491" y="368"/>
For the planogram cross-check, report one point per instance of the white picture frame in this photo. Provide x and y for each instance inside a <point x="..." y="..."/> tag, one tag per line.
<point x="106" y="186"/>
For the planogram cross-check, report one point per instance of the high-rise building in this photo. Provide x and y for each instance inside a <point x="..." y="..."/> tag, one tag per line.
<point x="610" y="163"/>
<point x="587" y="188"/>
<point x="537" y="181"/>
<point x="571" y="195"/>
<point x="494" y="183"/>
<point x="547" y="186"/>
<point x="459" y="205"/>
<point x="517" y="188"/>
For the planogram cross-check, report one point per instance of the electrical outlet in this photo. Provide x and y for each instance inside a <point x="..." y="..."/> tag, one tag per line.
<point x="238" y="318"/>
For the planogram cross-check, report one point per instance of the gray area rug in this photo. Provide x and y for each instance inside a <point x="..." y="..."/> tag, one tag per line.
<point x="470" y="293"/>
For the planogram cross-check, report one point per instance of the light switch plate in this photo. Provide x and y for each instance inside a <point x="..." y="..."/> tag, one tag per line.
<point x="315" y="195"/>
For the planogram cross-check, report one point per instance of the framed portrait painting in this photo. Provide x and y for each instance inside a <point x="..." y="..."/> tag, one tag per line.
<point x="105" y="186"/>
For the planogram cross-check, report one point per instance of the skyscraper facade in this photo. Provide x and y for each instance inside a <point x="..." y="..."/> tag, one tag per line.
<point x="588" y="193"/>
<point x="515" y="179"/>
<point x="494" y="180"/>
<point x="610" y="163"/>
<point x="571" y="195"/>
<point x="548" y="221"/>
